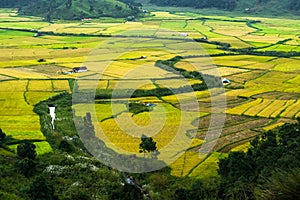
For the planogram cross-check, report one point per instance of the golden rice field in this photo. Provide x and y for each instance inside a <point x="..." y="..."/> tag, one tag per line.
<point x="230" y="28"/>
<point x="265" y="39"/>
<point x="224" y="71"/>
<point x="40" y="85"/>
<point x="176" y="83"/>
<point x="89" y="84"/>
<point x="166" y="15"/>
<point x="17" y="118"/>
<point x="292" y="110"/>
<point x="243" y="147"/>
<point x="186" y="97"/>
<point x="278" y="124"/>
<point x="256" y="109"/>
<point x="24" y="81"/>
<point x="268" y="108"/>
<point x="5" y="78"/>
<point x="239" y="110"/>
<point x="273" y="109"/>
<point x="102" y="111"/>
<point x="33" y="98"/>
<point x="12" y="15"/>
<point x="132" y="84"/>
<point x="13" y="86"/>
<point x="295" y="80"/>
<point x="240" y="60"/>
<point x="61" y="85"/>
<point x="281" y="47"/>
<point x="185" y="163"/>
<point x="281" y="109"/>
<point x="259" y="89"/>
<point x="163" y="137"/>
<point x="29" y="25"/>
<point x="162" y="123"/>
<point x="288" y="66"/>
<point x="208" y="168"/>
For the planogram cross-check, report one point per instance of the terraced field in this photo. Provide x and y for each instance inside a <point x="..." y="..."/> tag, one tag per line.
<point x="263" y="92"/>
<point x="18" y="120"/>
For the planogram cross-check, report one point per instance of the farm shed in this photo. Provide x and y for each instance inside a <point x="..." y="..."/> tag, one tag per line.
<point x="80" y="69"/>
<point x="226" y="81"/>
<point x="183" y="34"/>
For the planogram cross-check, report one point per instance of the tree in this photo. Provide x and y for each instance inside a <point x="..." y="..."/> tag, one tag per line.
<point x="26" y="150"/>
<point x="182" y="194"/>
<point x="281" y="185"/>
<point x="41" y="189"/>
<point x="26" y="153"/>
<point x="148" y="145"/>
<point x="26" y="166"/>
<point x="66" y="146"/>
<point x="2" y="137"/>
<point x="68" y="3"/>
<point x="129" y="192"/>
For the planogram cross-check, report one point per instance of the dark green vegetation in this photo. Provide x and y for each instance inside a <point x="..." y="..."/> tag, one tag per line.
<point x="269" y="169"/>
<point x="26" y="154"/>
<point x="70" y="172"/>
<point x="260" y="170"/>
<point x="2" y="137"/>
<point x="148" y="145"/>
<point x="73" y="9"/>
<point x="137" y="108"/>
<point x="221" y="4"/>
<point x="246" y="6"/>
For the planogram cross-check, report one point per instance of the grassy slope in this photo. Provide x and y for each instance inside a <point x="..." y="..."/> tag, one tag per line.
<point x="266" y="8"/>
<point x="78" y="9"/>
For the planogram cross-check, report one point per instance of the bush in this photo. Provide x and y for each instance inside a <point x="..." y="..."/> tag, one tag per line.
<point x="41" y="60"/>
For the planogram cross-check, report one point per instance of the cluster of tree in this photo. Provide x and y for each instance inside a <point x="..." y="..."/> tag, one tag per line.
<point x="258" y="171"/>
<point x="74" y="9"/>
<point x="148" y="145"/>
<point x="208" y="81"/>
<point x="2" y="137"/>
<point x="220" y="4"/>
<point x="132" y="3"/>
<point x="137" y="108"/>
<point x="294" y="5"/>
<point x="26" y="154"/>
<point x="249" y="6"/>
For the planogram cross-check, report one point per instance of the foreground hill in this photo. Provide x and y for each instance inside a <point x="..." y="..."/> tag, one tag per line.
<point x="73" y="9"/>
<point x="248" y="6"/>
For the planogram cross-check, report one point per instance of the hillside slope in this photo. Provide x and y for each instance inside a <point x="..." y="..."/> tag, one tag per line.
<point x="72" y="9"/>
<point x="270" y="7"/>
